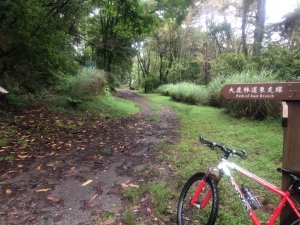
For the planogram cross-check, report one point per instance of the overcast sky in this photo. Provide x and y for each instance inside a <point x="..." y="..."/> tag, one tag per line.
<point x="276" y="9"/>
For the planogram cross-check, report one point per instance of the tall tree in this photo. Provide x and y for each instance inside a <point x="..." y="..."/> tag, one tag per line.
<point x="245" y="14"/>
<point x="115" y="25"/>
<point x="259" y="26"/>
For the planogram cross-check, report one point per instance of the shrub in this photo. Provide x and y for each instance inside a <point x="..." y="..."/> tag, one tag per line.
<point x="211" y="94"/>
<point x="214" y="97"/>
<point x="165" y="89"/>
<point x="185" y="92"/>
<point x="228" y="63"/>
<point x="88" y="83"/>
<point x="151" y="83"/>
<point x="18" y="96"/>
<point x="280" y="59"/>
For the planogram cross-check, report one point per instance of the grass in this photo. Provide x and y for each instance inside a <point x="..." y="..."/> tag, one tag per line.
<point x="261" y="139"/>
<point x="3" y="143"/>
<point x="210" y="94"/>
<point x="6" y="158"/>
<point x="106" y="106"/>
<point x="129" y="218"/>
<point x="155" y="112"/>
<point x="160" y="194"/>
<point x="134" y="194"/>
<point x="105" y="218"/>
<point x="114" y="106"/>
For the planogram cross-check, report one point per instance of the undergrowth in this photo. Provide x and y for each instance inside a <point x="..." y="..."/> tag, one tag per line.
<point x="106" y="106"/>
<point x="211" y="95"/>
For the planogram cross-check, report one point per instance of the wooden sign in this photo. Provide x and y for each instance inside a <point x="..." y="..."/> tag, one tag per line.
<point x="265" y="91"/>
<point x="3" y="91"/>
<point x="289" y="94"/>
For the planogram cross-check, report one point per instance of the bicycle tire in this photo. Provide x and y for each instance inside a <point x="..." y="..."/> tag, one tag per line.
<point x="291" y="220"/>
<point x="188" y="215"/>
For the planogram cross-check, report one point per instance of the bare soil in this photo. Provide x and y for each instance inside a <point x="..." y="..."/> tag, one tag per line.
<point x="69" y="170"/>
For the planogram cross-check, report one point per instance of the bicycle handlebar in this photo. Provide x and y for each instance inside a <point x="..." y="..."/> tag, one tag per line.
<point x="227" y="152"/>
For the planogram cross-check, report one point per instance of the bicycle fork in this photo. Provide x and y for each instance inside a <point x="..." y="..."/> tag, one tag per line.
<point x="194" y="200"/>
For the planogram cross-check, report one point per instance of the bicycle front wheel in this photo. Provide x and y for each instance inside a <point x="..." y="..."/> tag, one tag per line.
<point x="205" y="209"/>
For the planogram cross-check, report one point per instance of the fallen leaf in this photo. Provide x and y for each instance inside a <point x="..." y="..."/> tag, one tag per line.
<point x="136" y="207"/>
<point x="39" y="167"/>
<point x="107" y="222"/>
<point x="93" y="198"/>
<point x="124" y="185"/>
<point x="134" y="186"/>
<point x="33" y="204"/>
<point x="22" y="156"/>
<point x="8" y="191"/>
<point x="43" y="190"/>
<point x="13" y="213"/>
<point x="86" y="183"/>
<point x="149" y="210"/>
<point x="53" y="198"/>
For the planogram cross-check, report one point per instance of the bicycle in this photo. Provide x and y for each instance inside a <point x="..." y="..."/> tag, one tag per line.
<point x="199" y="199"/>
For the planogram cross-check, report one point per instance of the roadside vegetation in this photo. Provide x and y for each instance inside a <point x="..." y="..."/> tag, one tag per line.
<point x="261" y="139"/>
<point x="210" y="95"/>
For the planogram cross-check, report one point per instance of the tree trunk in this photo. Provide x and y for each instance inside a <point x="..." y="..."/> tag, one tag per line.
<point x="259" y="26"/>
<point x="246" y="5"/>
<point x="206" y="66"/>
<point x="161" y="68"/>
<point x="169" y="67"/>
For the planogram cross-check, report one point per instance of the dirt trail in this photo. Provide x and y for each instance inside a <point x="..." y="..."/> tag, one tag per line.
<point x="86" y="186"/>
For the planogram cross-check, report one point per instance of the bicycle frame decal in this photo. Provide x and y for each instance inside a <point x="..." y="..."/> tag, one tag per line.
<point x="239" y="193"/>
<point x="224" y="168"/>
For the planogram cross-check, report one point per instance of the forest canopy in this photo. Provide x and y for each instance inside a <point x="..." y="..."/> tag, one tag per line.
<point x="143" y="43"/>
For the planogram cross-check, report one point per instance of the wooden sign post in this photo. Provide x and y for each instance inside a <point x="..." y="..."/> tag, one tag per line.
<point x="289" y="94"/>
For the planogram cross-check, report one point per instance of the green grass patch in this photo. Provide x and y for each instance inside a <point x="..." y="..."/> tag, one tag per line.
<point x="261" y="139"/>
<point x="3" y="143"/>
<point x="106" y="106"/>
<point x="110" y="105"/>
<point x="161" y="194"/>
<point x="105" y="218"/>
<point x="6" y="158"/>
<point x="129" y="218"/>
<point x="134" y="194"/>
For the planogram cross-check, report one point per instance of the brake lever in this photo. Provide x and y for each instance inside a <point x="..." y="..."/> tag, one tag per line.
<point x="245" y="154"/>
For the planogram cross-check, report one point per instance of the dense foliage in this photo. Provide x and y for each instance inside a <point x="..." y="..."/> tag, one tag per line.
<point x="36" y="42"/>
<point x="88" y="83"/>
<point x="211" y="95"/>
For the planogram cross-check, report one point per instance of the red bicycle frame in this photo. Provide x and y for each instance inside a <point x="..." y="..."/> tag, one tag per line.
<point x="224" y="169"/>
